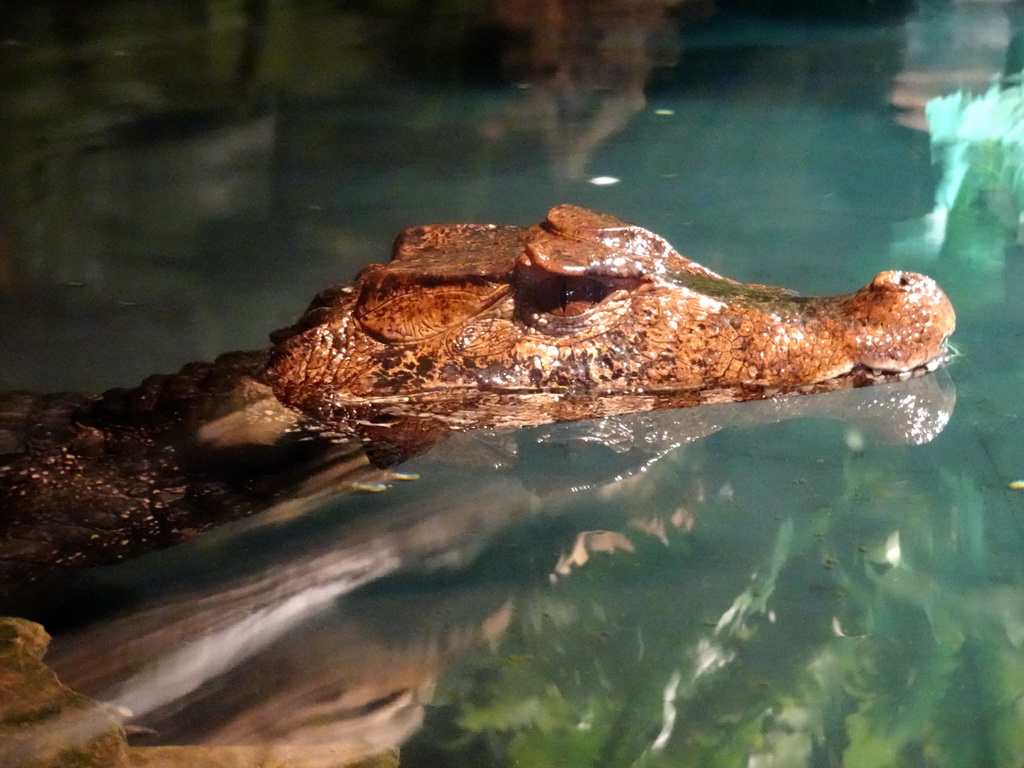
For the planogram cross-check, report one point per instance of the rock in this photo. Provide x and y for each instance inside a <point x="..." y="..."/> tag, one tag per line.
<point x="43" y="722"/>
<point x="267" y="756"/>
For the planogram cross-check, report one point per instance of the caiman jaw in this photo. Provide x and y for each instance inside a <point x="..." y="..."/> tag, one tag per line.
<point x="946" y="355"/>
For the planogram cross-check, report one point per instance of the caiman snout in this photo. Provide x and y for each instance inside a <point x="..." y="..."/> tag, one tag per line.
<point x="899" y="321"/>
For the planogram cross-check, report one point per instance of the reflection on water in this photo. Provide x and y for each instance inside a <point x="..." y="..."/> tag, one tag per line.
<point x="181" y="178"/>
<point x="583" y="68"/>
<point x="337" y="665"/>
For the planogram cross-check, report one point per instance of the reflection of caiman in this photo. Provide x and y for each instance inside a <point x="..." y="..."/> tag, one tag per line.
<point x="468" y="326"/>
<point x="301" y="654"/>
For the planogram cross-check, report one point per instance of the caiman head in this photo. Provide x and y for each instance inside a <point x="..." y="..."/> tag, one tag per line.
<point x="584" y="305"/>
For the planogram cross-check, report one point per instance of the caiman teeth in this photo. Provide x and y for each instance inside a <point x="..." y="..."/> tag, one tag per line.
<point x="881" y="374"/>
<point x="945" y="355"/>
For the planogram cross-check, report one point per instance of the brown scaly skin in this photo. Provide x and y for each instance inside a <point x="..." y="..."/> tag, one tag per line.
<point x="585" y="305"/>
<point x="468" y="326"/>
<point x="85" y="480"/>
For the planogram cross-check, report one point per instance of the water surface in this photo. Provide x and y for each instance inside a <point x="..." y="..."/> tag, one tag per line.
<point x="180" y="181"/>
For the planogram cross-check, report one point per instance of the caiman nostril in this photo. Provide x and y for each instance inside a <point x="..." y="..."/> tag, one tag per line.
<point x="900" y="321"/>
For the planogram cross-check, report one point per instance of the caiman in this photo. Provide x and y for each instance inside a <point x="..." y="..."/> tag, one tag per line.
<point x="468" y="325"/>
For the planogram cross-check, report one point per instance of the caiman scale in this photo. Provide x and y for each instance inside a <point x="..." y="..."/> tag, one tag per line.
<point x="468" y="326"/>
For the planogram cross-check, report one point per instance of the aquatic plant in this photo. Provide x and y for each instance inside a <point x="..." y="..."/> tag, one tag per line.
<point x="880" y="625"/>
<point x="978" y="141"/>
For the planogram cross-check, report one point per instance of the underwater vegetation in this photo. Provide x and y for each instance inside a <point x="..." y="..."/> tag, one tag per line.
<point x="978" y="143"/>
<point x="881" y="627"/>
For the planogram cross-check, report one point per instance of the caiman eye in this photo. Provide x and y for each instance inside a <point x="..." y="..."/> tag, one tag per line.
<point x="568" y="296"/>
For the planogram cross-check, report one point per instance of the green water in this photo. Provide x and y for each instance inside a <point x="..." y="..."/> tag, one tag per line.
<point x="180" y="181"/>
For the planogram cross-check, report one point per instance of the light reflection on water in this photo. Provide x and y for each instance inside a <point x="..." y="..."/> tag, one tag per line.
<point x="795" y="594"/>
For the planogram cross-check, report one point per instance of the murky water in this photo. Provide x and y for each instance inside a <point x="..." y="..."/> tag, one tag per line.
<point x="832" y="589"/>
